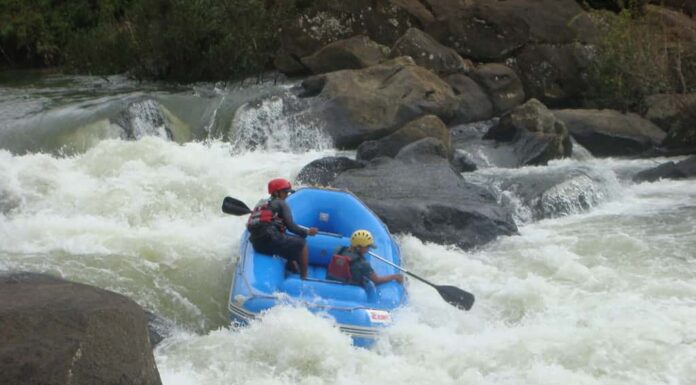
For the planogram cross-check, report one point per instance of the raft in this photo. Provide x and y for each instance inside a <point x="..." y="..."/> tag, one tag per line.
<point x="261" y="281"/>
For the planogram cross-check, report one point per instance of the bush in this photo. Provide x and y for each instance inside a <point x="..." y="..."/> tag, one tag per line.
<point x="182" y="40"/>
<point x="636" y="58"/>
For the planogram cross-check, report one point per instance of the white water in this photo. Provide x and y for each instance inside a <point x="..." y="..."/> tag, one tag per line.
<point x="603" y="297"/>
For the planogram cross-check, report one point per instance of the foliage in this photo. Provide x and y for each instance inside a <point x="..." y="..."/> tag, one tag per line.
<point x="183" y="40"/>
<point x="34" y="32"/>
<point x="636" y="57"/>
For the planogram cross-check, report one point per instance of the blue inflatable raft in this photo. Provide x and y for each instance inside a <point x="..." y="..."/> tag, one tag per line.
<point x="260" y="281"/>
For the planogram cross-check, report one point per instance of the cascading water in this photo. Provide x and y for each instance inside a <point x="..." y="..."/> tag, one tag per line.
<point x="598" y="288"/>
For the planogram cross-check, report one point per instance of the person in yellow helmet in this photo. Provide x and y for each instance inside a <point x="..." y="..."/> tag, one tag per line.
<point x="360" y="269"/>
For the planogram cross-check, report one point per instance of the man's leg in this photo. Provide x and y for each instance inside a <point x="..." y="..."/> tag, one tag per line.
<point x="304" y="262"/>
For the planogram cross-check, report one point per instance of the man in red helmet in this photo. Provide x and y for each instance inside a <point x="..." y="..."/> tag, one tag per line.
<point x="267" y="224"/>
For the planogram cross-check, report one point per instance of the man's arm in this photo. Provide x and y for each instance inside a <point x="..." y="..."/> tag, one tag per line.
<point x="286" y="214"/>
<point x="386" y="278"/>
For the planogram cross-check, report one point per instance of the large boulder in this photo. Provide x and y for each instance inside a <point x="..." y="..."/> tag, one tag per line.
<point x="358" y="105"/>
<point x="428" y="126"/>
<point x="670" y="170"/>
<point x="474" y="104"/>
<point x="322" y="172"/>
<point x="328" y="21"/>
<point x="555" y="191"/>
<point x="553" y="73"/>
<point x="494" y="30"/>
<point x="481" y="32"/>
<point x="676" y="114"/>
<point x="428" y="53"/>
<point x="536" y="134"/>
<point x="419" y="193"/>
<point x="56" y="332"/>
<point x="611" y="133"/>
<point x="502" y="85"/>
<point x="353" y="53"/>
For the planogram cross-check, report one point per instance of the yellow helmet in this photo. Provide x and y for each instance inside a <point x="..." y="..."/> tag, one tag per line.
<point x="362" y="238"/>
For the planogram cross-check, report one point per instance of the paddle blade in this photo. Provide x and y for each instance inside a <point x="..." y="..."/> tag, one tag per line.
<point x="234" y="207"/>
<point x="456" y="296"/>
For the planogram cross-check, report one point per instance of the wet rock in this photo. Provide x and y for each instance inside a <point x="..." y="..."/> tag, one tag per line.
<point x="359" y="105"/>
<point x="390" y="145"/>
<point x="462" y="162"/>
<point x="474" y="104"/>
<point x="353" y="53"/>
<point x="428" y="53"/>
<point x="323" y="171"/>
<point x="419" y="193"/>
<point x="537" y="194"/>
<point x="502" y="86"/>
<point x="59" y="332"/>
<point x="537" y="136"/>
<point x="611" y="133"/>
<point x="670" y="170"/>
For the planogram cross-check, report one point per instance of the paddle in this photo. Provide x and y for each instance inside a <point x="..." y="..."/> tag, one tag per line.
<point x="234" y="207"/>
<point x="452" y="295"/>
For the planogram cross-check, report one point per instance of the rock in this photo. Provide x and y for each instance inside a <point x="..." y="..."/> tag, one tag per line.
<point x="537" y="135"/>
<point x="481" y="32"/>
<point x="330" y="21"/>
<point x="59" y="332"/>
<point x="667" y="110"/>
<point x="554" y="74"/>
<point x="611" y="133"/>
<point x="141" y="118"/>
<point x="474" y="104"/>
<point x="555" y="191"/>
<point x="461" y="162"/>
<point x="359" y="105"/>
<point x="686" y="6"/>
<point x="493" y="30"/>
<point x="428" y="53"/>
<point x="323" y="171"/>
<point x="419" y="193"/>
<point x="417" y="9"/>
<point x="674" y="26"/>
<point x="501" y="84"/>
<point x="676" y="114"/>
<point x="353" y="53"/>
<point x="423" y="127"/>
<point x="670" y="170"/>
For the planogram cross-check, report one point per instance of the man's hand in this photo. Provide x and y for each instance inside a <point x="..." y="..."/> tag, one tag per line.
<point x="312" y="231"/>
<point x="399" y="278"/>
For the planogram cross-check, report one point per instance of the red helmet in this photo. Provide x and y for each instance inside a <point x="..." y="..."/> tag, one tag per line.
<point x="278" y="184"/>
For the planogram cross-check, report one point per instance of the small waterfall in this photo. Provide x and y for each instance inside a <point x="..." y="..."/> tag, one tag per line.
<point x="278" y="123"/>
<point x="562" y="188"/>
<point x="144" y="118"/>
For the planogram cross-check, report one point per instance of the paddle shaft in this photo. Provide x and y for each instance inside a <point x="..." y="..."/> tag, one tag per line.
<point x="402" y="269"/>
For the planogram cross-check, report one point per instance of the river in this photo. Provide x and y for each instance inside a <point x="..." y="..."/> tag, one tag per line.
<point x="118" y="184"/>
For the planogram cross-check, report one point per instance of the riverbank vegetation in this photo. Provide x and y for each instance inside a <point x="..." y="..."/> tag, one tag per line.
<point x="176" y="40"/>
<point x="641" y="54"/>
<point x="185" y="41"/>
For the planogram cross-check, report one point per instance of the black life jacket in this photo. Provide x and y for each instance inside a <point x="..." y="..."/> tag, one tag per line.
<point x="263" y="217"/>
<point x="339" y="267"/>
